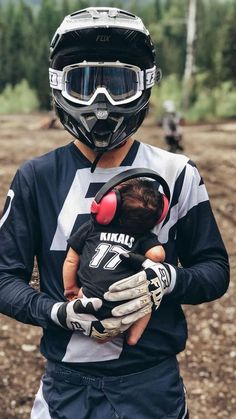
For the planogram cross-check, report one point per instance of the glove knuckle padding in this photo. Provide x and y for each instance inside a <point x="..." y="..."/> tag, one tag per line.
<point x="87" y="305"/>
<point x="131" y="318"/>
<point x="79" y="307"/>
<point x="131" y="306"/>
<point x="129" y="282"/>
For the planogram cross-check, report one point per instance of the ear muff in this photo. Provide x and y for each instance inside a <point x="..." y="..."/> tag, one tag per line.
<point x="107" y="202"/>
<point x="164" y="210"/>
<point x="107" y="209"/>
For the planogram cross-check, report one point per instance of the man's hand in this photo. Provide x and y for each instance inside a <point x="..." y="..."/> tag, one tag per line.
<point x="80" y="315"/>
<point x="77" y="314"/>
<point x="144" y="290"/>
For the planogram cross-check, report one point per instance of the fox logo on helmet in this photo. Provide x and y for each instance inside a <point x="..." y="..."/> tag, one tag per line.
<point x="103" y="38"/>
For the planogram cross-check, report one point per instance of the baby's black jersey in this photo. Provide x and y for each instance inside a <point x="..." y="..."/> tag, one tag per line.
<point x="50" y="198"/>
<point x="100" y="264"/>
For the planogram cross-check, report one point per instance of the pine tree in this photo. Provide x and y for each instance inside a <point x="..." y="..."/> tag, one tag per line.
<point x="229" y="50"/>
<point x="17" y="24"/>
<point x="46" y="24"/>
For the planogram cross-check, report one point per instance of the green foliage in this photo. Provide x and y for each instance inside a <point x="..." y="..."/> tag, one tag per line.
<point x="210" y="104"/>
<point x="16" y="31"/>
<point x="204" y="107"/>
<point x="18" y="99"/>
<point x="229" y="49"/>
<point x="213" y="104"/>
<point x="168" y="31"/>
<point x="170" y="88"/>
<point x="225" y="98"/>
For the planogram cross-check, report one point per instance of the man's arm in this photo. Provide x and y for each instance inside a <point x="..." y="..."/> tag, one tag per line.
<point x="204" y="272"/>
<point x="19" y="241"/>
<point x="204" y="275"/>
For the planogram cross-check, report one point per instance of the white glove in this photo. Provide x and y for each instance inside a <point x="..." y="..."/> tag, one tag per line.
<point x="77" y="314"/>
<point x="80" y="315"/>
<point x="144" y="290"/>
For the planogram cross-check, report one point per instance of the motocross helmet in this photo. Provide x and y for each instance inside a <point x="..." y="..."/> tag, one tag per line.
<point x="102" y="68"/>
<point x="169" y="106"/>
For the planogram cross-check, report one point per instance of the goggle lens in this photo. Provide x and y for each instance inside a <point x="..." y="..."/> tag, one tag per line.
<point x="120" y="82"/>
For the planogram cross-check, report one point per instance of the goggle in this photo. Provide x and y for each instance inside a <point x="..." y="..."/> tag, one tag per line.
<point x="120" y="83"/>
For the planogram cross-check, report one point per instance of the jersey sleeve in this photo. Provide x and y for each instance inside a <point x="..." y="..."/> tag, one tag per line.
<point x="76" y="241"/>
<point x="203" y="273"/>
<point x="147" y="242"/>
<point x="19" y="242"/>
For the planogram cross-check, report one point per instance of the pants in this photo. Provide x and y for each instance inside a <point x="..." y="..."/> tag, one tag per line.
<point x="156" y="393"/>
<point x="174" y="143"/>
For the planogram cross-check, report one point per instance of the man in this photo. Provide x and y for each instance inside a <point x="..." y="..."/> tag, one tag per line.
<point x="50" y="198"/>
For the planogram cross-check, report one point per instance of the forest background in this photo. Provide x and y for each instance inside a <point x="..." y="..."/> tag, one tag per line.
<point x="27" y="26"/>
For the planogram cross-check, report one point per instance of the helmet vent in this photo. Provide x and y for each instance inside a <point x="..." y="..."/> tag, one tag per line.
<point x="54" y="40"/>
<point x="125" y="15"/>
<point x="97" y="13"/>
<point x="81" y="14"/>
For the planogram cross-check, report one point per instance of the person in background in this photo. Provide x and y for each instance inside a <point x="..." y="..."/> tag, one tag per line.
<point x="171" y="124"/>
<point x="50" y="197"/>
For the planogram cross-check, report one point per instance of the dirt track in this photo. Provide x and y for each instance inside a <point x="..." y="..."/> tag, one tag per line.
<point x="209" y="361"/>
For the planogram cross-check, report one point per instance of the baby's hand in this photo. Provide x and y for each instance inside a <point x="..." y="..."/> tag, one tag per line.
<point x="136" y="330"/>
<point x="80" y="293"/>
<point x="73" y="293"/>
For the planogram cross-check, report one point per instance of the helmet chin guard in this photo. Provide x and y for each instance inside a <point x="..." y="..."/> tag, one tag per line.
<point x="102" y="126"/>
<point x="102" y="112"/>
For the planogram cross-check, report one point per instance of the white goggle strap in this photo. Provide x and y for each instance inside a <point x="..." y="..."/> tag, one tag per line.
<point x="147" y="78"/>
<point x="56" y="78"/>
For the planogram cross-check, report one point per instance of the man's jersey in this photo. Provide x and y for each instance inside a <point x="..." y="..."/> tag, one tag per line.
<point x="50" y="198"/>
<point x="100" y="265"/>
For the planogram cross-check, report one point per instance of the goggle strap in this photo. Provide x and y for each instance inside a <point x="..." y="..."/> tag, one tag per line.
<point x="150" y="77"/>
<point x="55" y="79"/>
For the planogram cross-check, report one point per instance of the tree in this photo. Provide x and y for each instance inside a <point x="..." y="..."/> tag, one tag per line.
<point x="168" y="30"/>
<point x="16" y="42"/>
<point x="46" y="23"/>
<point x="229" y="50"/>
<point x="190" y="53"/>
<point x="210" y="39"/>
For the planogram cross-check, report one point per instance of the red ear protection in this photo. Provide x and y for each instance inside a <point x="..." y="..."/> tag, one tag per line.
<point x="165" y="209"/>
<point x="106" y="210"/>
<point x="106" y="203"/>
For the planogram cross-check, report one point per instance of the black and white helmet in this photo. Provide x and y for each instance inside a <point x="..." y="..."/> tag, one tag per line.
<point x="102" y="68"/>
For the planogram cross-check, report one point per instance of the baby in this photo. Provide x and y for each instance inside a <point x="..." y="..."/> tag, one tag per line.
<point x="93" y="260"/>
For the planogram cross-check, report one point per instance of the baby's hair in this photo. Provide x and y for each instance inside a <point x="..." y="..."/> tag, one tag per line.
<point x="141" y="205"/>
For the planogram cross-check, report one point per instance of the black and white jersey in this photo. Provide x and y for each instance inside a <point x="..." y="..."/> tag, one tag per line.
<point x="50" y="198"/>
<point x="100" y="265"/>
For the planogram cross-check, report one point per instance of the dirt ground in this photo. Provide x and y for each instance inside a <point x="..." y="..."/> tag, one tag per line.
<point x="208" y="364"/>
